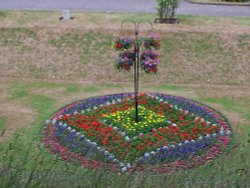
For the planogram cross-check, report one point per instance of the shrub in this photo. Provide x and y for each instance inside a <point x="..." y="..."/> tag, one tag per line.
<point x="167" y="8"/>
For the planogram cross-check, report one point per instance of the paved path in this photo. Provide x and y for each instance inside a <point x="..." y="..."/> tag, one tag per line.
<point x="147" y="6"/>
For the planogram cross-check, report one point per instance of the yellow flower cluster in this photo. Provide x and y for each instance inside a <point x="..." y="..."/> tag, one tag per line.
<point x="127" y="120"/>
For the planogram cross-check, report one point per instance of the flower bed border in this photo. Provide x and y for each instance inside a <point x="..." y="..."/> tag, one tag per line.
<point x="51" y="142"/>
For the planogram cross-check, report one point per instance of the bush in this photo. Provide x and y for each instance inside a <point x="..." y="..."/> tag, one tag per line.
<point x="167" y="8"/>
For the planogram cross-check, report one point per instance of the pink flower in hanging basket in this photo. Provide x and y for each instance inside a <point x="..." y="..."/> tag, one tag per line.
<point x="152" y="41"/>
<point x="125" y="60"/>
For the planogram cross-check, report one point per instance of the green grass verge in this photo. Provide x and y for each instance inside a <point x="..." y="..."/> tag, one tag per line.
<point x="232" y="105"/>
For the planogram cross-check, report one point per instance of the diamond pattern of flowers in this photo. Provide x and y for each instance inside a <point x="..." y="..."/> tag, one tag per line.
<point x="172" y="132"/>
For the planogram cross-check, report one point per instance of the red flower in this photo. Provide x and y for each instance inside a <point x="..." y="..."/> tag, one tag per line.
<point x="118" y="45"/>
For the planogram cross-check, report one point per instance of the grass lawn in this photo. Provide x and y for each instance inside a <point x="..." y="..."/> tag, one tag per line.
<point x="47" y="63"/>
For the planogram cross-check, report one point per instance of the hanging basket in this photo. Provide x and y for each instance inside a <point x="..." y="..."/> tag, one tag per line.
<point x="152" y="41"/>
<point x="148" y="58"/>
<point x="125" y="60"/>
<point x="149" y="61"/>
<point x="123" y="43"/>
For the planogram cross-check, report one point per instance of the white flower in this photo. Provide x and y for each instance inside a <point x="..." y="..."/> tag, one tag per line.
<point x="69" y="128"/>
<point x="222" y="131"/>
<point x="166" y="102"/>
<point x="113" y="102"/>
<point x="174" y="125"/>
<point x="123" y="133"/>
<point x="121" y="164"/>
<point x="124" y="169"/>
<point x="172" y="146"/>
<point x="200" y="137"/>
<point x="165" y="147"/>
<point x="208" y="135"/>
<point x="108" y="103"/>
<point x="180" y="144"/>
<point x="88" y="109"/>
<point x="95" y="107"/>
<point x="214" y="134"/>
<point x="73" y="130"/>
<point x="54" y="121"/>
<point x="160" y="100"/>
<point x="60" y="116"/>
<point x="61" y="123"/>
<point x="116" y="128"/>
<point x="98" y="148"/>
<point x="48" y="121"/>
<point x="186" y="112"/>
<point x="146" y="155"/>
<point x="186" y="142"/>
<point x="228" y="132"/>
<point x="115" y="160"/>
<point x="208" y="122"/>
<point x="152" y="152"/>
<point x="75" y="113"/>
<point x="101" y="105"/>
<point x="78" y="134"/>
<point x="128" y="165"/>
<point x="82" y="111"/>
<point x="127" y="138"/>
<point x="106" y="153"/>
<point x="192" y="141"/>
<point x="196" y="118"/>
<point x="119" y="100"/>
<point x="157" y="98"/>
<point x="94" y="144"/>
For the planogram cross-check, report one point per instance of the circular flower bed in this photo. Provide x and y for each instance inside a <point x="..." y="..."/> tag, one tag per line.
<point x="173" y="133"/>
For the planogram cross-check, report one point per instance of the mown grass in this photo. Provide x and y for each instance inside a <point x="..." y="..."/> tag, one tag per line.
<point x="233" y="105"/>
<point x="168" y="87"/>
<point x="15" y="36"/>
<point x="2" y="124"/>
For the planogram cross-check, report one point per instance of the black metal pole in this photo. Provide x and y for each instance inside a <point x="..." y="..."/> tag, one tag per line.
<point x="136" y="71"/>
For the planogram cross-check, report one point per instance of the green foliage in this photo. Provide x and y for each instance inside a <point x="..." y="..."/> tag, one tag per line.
<point x="167" y="8"/>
